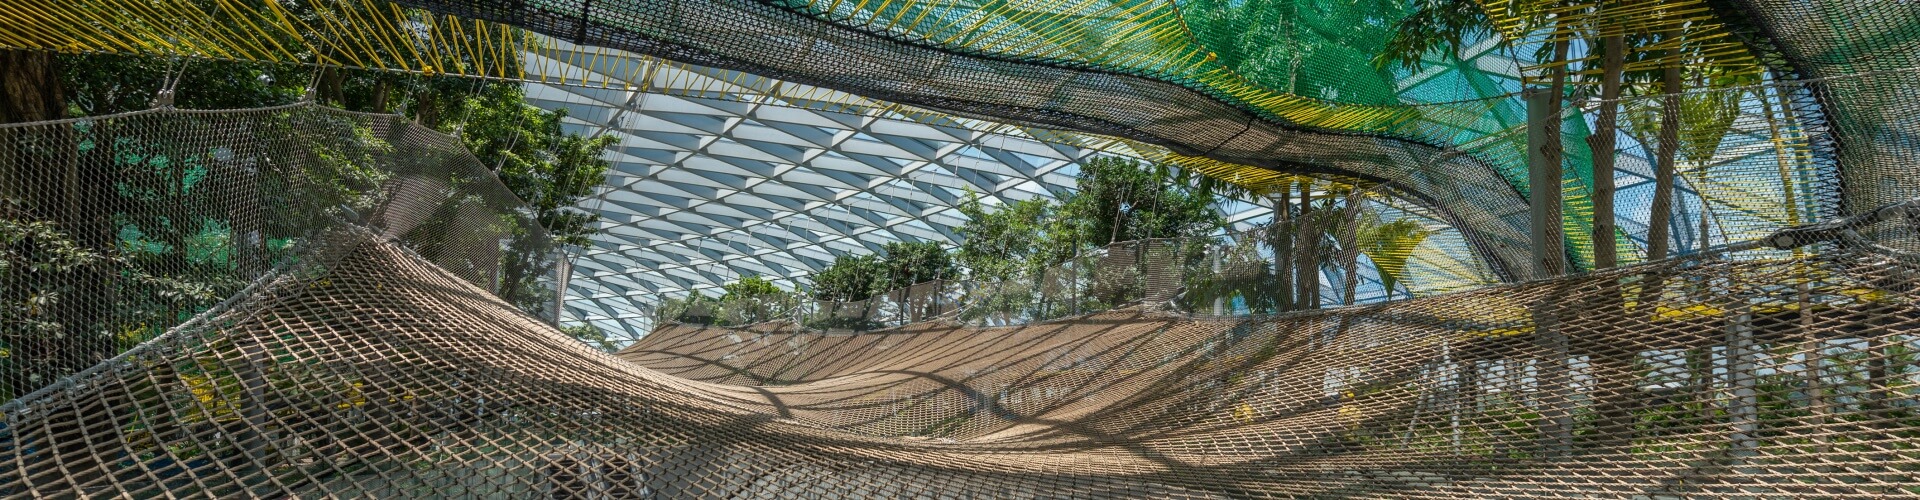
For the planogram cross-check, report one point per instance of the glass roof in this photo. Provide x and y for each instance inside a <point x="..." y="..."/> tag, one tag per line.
<point x="719" y="174"/>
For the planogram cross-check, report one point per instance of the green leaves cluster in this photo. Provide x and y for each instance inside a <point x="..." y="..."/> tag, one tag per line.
<point x="750" y="287"/>
<point x="899" y="265"/>
<point x="850" y="278"/>
<point x="544" y="166"/>
<point x="1317" y="49"/>
<point x="1012" y="241"/>
<point x="183" y="226"/>
<point x="1117" y="200"/>
<point x="750" y="299"/>
<point x="1122" y="199"/>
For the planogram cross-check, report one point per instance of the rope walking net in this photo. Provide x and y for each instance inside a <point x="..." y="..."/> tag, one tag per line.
<point x="344" y="303"/>
<point x="1237" y="89"/>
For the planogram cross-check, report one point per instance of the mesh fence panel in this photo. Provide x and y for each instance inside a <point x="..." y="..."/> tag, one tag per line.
<point x="372" y="357"/>
<point x="381" y="374"/>
<point x="329" y="284"/>
<point x="118" y="228"/>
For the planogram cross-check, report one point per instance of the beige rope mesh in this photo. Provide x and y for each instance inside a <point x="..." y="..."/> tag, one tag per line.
<point x="384" y="375"/>
<point x="363" y="353"/>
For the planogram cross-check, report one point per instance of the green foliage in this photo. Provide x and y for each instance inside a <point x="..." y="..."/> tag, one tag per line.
<point x="1116" y="200"/>
<point x="1433" y="25"/>
<point x="33" y="257"/>
<point x="1002" y="244"/>
<point x="911" y="263"/>
<point x="697" y="308"/>
<point x="1120" y="199"/>
<point x="168" y="241"/>
<point x="850" y="278"/>
<point x="545" y="167"/>
<point x="108" y="84"/>
<point x="1316" y="49"/>
<point x="753" y="299"/>
<point x="1708" y="118"/>
<point x="750" y="287"/>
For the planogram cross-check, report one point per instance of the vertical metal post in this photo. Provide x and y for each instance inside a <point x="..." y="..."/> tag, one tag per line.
<point x="1543" y="187"/>
<point x="1219" y="298"/>
<point x="1742" y="360"/>
<point x="563" y="270"/>
<point x="1073" y="284"/>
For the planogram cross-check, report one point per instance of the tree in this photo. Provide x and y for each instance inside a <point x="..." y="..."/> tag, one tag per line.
<point x="850" y="278"/>
<point x="34" y="89"/>
<point x="1000" y="250"/>
<point x="998" y="245"/>
<point x="1451" y="22"/>
<point x="177" y="217"/>
<point x="1709" y="116"/>
<point x="1661" y="208"/>
<point x="1116" y="200"/>
<point x="109" y="84"/>
<point x="1434" y="25"/>
<point x="1120" y="199"/>
<point x="912" y="263"/>
<point x="749" y="287"/>
<point x="843" y="287"/>
<point x="1602" y="143"/>
<point x="697" y="308"/>
<point x="753" y="299"/>
<point x="1349" y="238"/>
<point x="1310" y="226"/>
<point x="545" y="167"/>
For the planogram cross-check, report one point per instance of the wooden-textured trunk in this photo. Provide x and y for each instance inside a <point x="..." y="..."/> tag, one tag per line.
<point x="1349" y="240"/>
<point x="1615" y="391"/>
<point x="1602" y="144"/>
<point x="380" y="90"/>
<point x="33" y="91"/>
<point x="1557" y="360"/>
<point x="1280" y="238"/>
<point x="49" y="184"/>
<point x="1659" y="220"/>
<point x="1306" y="252"/>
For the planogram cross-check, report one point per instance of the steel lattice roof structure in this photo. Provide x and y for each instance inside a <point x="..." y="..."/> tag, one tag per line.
<point x="719" y="174"/>
<point x="705" y="190"/>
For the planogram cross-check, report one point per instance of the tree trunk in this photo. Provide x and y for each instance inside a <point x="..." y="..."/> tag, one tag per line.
<point x="330" y="86"/>
<point x="1556" y="366"/>
<point x="1878" y="387"/>
<point x="1813" y="361"/>
<point x="49" y="183"/>
<point x="1306" y="252"/>
<point x="33" y="88"/>
<point x="1699" y="361"/>
<point x="1662" y="205"/>
<point x="1554" y="151"/>
<point x="1602" y="144"/>
<point x="43" y="185"/>
<point x="1615" y="390"/>
<point x="1349" y="250"/>
<point x="380" y="91"/>
<point x="1280" y="238"/>
<point x="427" y="110"/>
<point x="1743" y="409"/>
